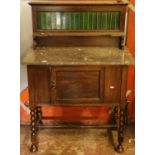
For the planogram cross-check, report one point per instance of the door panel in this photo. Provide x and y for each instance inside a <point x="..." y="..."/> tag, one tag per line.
<point x="78" y="85"/>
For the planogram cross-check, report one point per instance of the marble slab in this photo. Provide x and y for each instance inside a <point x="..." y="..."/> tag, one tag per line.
<point x="78" y="56"/>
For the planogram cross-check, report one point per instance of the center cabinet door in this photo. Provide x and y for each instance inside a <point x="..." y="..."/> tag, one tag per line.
<point x="76" y="85"/>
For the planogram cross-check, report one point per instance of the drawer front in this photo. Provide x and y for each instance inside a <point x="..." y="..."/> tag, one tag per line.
<point x="77" y="84"/>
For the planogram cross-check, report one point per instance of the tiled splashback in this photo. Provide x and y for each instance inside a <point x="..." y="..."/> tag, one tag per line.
<point x="89" y="20"/>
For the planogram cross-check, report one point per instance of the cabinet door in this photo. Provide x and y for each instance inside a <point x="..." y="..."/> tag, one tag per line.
<point x="77" y="85"/>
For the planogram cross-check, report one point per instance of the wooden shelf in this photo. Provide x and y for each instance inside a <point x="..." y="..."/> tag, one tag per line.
<point x="78" y="33"/>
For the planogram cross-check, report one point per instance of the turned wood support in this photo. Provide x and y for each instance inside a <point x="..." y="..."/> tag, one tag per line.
<point x="34" y="147"/>
<point x="122" y="46"/>
<point x="34" y="42"/>
<point x="39" y="115"/>
<point x="119" y="148"/>
<point x="114" y="115"/>
<point x="126" y="112"/>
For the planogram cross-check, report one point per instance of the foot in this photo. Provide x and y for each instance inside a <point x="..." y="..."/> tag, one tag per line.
<point x="119" y="149"/>
<point x="33" y="148"/>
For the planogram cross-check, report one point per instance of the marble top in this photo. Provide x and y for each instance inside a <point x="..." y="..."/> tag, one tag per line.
<point x="78" y="56"/>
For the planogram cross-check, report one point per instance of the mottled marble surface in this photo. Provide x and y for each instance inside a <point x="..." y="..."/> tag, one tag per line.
<point x="78" y="56"/>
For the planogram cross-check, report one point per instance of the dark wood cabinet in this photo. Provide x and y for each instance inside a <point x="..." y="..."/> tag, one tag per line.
<point x="75" y="85"/>
<point x="78" y="58"/>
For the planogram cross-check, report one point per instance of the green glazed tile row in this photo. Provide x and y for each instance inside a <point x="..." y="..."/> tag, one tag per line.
<point x="78" y="20"/>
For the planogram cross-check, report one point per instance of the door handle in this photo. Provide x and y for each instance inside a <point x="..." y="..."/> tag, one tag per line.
<point x="53" y="84"/>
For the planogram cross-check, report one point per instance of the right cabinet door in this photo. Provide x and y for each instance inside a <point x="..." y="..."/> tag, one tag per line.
<point x="112" y="83"/>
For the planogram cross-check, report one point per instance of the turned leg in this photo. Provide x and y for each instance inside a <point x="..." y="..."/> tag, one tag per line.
<point x="119" y="148"/>
<point x="114" y="115"/>
<point x="34" y="147"/>
<point x="126" y="112"/>
<point x="39" y="115"/>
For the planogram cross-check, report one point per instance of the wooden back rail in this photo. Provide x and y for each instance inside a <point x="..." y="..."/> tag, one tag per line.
<point x="47" y="37"/>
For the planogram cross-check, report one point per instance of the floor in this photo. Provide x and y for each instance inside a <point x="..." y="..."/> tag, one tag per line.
<point x="77" y="141"/>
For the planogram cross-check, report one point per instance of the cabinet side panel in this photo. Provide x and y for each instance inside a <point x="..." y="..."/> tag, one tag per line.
<point x="124" y="84"/>
<point x="112" y="90"/>
<point x="39" y="84"/>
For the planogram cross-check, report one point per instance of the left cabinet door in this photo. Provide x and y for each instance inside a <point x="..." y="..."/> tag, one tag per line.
<point x="39" y="84"/>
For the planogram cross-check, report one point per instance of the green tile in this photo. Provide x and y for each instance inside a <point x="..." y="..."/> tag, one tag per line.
<point x="113" y="20"/>
<point x="108" y="20"/>
<point x="94" y="20"/>
<point x="72" y="21"/>
<point x="43" y="20"/>
<point x="117" y="20"/>
<point x="63" y="21"/>
<point x="99" y="20"/>
<point x="48" y="20"/>
<point x="86" y="20"/>
<point x="58" y="20"/>
<point x="81" y="21"/>
<point x="67" y="20"/>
